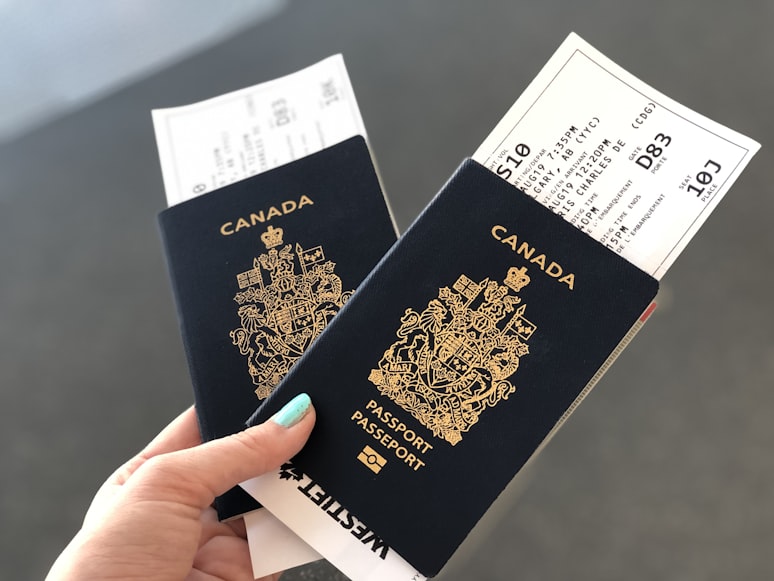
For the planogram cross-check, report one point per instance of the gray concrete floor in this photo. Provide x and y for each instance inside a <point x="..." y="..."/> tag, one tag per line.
<point x="665" y="472"/>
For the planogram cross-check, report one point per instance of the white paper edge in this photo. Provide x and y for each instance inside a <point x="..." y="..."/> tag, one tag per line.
<point x="273" y="546"/>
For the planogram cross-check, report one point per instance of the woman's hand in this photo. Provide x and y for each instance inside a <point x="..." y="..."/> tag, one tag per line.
<point x="153" y="520"/>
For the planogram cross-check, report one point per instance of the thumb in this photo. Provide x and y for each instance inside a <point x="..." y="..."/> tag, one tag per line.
<point x="195" y="476"/>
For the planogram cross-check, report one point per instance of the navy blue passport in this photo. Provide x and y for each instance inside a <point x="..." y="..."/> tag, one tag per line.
<point x="456" y="358"/>
<point x="260" y="267"/>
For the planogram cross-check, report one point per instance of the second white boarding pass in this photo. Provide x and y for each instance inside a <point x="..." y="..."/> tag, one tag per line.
<point x="626" y="164"/>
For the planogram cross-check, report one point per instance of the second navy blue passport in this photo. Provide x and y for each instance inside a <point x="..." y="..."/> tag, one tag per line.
<point x="260" y="267"/>
<point x="455" y="359"/>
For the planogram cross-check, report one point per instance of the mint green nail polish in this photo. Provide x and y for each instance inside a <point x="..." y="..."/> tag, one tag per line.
<point x="293" y="411"/>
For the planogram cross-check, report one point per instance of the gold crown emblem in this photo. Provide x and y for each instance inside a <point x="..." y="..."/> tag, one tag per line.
<point x="272" y="237"/>
<point x="517" y="278"/>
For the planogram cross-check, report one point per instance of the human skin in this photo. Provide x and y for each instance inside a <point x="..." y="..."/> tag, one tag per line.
<point x="153" y="518"/>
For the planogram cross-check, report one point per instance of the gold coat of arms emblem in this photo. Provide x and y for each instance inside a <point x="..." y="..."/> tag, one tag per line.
<point x="288" y="298"/>
<point x="454" y="359"/>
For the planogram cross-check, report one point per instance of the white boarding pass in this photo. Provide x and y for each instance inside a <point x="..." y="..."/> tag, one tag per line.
<point x="626" y="164"/>
<point x="208" y="145"/>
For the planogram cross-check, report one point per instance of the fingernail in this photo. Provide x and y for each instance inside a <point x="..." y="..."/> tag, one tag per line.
<point x="293" y="411"/>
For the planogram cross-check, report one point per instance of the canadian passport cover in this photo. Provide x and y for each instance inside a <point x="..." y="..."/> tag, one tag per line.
<point x="260" y="267"/>
<point x="455" y="359"/>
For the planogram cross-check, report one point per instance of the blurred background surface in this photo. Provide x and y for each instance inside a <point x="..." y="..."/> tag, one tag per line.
<point x="665" y="472"/>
